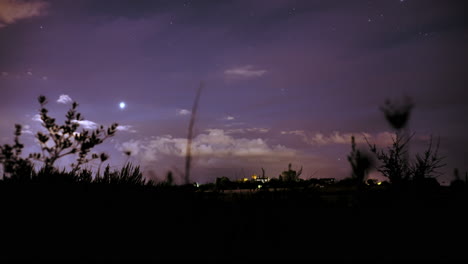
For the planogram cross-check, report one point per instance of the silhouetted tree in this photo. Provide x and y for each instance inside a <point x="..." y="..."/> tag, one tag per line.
<point x="61" y="140"/>
<point x="222" y="183"/>
<point x="10" y="157"/>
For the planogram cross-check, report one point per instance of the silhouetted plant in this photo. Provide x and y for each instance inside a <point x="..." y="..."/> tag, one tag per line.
<point x="127" y="175"/>
<point x="457" y="184"/>
<point x="62" y="140"/>
<point x="393" y="162"/>
<point x="169" y="181"/>
<point x="84" y="176"/>
<point x="10" y="157"/>
<point x="130" y="174"/>
<point x="360" y="163"/>
<point x="397" y="114"/>
<point x="456" y="174"/>
<point x="426" y="165"/>
<point x="222" y="183"/>
<point x="53" y="175"/>
<point x="103" y="157"/>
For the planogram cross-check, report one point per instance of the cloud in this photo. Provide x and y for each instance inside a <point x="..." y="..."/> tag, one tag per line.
<point x="246" y="130"/>
<point x="132" y="147"/>
<point x="37" y="118"/>
<point x="12" y="11"/>
<point x="27" y="130"/>
<point x="234" y="124"/>
<point x="25" y="74"/>
<point x="86" y="124"/>
<point x="229" y="118"/>
<point x="126" y="128"/>
<point x="183" y="112"/>
<point x="64" y="99"/>
<point x="319" y="139"/>
<point x="246" y="71"/>
<point x="213" y="145"/>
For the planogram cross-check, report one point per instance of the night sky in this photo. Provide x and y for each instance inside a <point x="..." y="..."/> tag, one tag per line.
<point x="285" y="81"/>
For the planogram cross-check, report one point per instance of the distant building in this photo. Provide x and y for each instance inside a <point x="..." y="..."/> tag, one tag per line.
<point x="327" y="180"/>
<point x="321" y="182"/>
<point x="256" y="178"/>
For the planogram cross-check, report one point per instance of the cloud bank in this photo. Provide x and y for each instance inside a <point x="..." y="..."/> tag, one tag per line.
<point x="319" y="139"/>
<point x="12" y="11"/>
<point x="213" y="145"/>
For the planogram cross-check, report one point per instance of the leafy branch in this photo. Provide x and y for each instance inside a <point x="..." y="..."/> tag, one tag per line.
<point x="63" y="140"/>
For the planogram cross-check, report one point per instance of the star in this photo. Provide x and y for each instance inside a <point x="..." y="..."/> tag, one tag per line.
<point x="122" y="105"/>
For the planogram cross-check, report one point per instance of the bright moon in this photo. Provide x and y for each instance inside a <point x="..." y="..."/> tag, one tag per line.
<point x="122" y="105"/>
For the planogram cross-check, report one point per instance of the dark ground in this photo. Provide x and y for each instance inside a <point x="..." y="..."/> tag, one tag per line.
<point x="97" y="222"/>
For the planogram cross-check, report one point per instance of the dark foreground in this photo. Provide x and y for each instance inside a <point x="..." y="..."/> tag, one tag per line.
<point x="98" y="222"/>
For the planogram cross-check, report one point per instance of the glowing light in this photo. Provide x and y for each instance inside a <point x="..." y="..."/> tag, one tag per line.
<point x="122" y="105"/>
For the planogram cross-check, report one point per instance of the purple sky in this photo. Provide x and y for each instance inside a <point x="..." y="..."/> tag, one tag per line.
<point x="285" y="81"/>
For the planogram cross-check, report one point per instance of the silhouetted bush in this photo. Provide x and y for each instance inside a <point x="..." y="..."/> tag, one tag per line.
<point x="393" y="162"/>
<point x="14" y="166"/>
<point x="425" y="166"/>
<point x="127" y="175"/>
